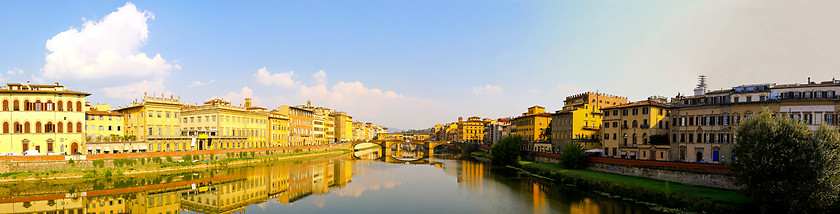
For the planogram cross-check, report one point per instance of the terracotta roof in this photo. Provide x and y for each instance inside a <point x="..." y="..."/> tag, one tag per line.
<point x="217" y="100"/>
<point x="640" y="103"/>
<point x="45" y="92"/>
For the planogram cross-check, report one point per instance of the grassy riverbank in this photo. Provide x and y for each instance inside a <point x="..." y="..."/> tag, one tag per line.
<point x="664" y="193"/>
<point x="159" y="167"/>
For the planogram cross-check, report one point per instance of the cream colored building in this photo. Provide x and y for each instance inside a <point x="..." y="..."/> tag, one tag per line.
<point x="155" y="120"/>
<point x="47" y="118"/>
<point x="628" y="129"/>
<point x="232" y="127"/>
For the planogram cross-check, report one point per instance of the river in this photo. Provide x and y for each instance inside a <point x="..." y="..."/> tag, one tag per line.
<point x="342" y="184"/>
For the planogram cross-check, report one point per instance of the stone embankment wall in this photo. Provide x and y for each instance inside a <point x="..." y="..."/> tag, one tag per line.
<point x="49" y="163"/>
<point x="699" y="174"/>
<point x="722" y="181"/>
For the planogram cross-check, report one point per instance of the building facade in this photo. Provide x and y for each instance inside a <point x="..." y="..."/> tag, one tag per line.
<point x="580" y="120"/>
<point x="46" y="118"/>
<point x="637" y="130"/>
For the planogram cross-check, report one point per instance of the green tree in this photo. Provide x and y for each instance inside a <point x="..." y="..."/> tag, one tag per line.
<point x="786" y="167"/>
<point x="574" y="156"/>
<point x="546" y="134"/>
<point x="507" y="150"/>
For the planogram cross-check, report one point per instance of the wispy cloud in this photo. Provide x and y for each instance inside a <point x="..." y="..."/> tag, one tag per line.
<point x="197" y="83"/>
<point x="14" y="71"/>
<point x="487" y="89"/>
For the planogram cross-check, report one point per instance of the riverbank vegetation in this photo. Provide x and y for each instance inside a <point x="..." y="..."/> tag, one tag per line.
<point x="506" y="151"/>
<point x="664" y="193"/>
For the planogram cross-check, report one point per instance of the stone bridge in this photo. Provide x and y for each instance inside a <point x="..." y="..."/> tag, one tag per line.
<point x="428" y="146"/>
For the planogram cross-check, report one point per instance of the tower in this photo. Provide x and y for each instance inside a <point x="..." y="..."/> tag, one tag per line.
<point x="701" y="86"/>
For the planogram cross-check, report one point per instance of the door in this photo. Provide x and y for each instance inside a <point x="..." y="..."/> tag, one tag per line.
<point x="699" y="156"/>
<point x="74" y="148"/>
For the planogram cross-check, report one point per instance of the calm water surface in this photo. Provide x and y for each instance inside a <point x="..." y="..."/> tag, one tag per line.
<point x="343" y="184"/>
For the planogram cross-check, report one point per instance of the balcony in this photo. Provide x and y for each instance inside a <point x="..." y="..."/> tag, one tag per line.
<point x="592" y="127"/>
<point x="645" y="126"/>
<point x="624" y="127"/>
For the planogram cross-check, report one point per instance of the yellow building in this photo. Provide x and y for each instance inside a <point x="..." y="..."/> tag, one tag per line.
<point x="628" y="130"/>
<point x="155" y="120"/>
<point x="343" y="126"/>
<point x="47" y="118"/>
<point x="580" y="119"/>
<point x="532" y="124"/>
<point x="279" y="129"/>
<point x="470" y="131"/>
<point x="318" y="132"/>
<point x="103" y="124"/>
<point x="359" y="131"/>
<point x="232" y="127"/>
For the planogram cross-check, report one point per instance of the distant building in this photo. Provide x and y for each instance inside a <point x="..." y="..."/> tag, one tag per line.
<point x="47" y="118"/>
<point x="628" y="130"/>
<point x="531" y="126"/>
<point x="580" y="119"/>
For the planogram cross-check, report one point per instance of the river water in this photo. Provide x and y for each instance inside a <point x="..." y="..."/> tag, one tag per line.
<point x="343" y="184"/>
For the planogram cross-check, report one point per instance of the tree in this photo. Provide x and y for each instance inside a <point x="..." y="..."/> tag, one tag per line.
<point x="506" y="151"/>
<point x="574" y="156"/>
<point x="786" y="167"/>
<point x="546" y="134"/>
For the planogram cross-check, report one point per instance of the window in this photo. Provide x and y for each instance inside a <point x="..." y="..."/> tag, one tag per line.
<point x="624" y="112"/>
<point x="150" y="131"/>
<point x="645" y="110"/>
<point x="167" y="114"/>
<point x="151" y="114"/>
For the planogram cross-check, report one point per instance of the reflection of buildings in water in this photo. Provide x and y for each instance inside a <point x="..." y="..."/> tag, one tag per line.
<point x="59" y="205"/>
<point x="587" y="206"/>
<point x="227" y="194"/>
<point x="472" y="173"/>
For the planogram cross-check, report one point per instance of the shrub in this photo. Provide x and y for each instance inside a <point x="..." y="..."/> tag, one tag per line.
<point x="187" y="158"/>
<point x="98" y="163"/>
<point x="71" y="162"/>
<point x="253" y="154"/>
<point x="574" y="156"/>
<point x="169" y="159"/>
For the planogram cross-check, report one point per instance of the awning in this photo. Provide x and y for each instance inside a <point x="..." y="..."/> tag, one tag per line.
<point x="594" y="150"/>
<point x="142" y="147"/>
<point x="90" y="148"/>
<point x="98" y="148"/>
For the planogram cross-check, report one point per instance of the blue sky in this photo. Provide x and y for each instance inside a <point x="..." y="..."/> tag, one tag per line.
<point x="412" y="64"/>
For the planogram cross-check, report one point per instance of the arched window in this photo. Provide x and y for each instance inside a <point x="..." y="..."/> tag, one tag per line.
<point x="37" y="127"/>
<point x="644" y="138"/>
<point x="18" y="128"/>
<point x="5" y="127"/>
<point x="78" y="105"/>
<point x="79" y="127"/>
<point x="69" y="127"/>
<point x="50" y="106"/>
<point x="634" y="137"/>
<point x="69" y="106"/>
<point x="60" y="127"/>
<point x="26" y="127"/>
<point x="17" y="105"/>
<point x="60" y="106"/>
<point x="26" y="106"/>
<point x="635" y="123"/>
<point x="49" y="128"/>
<point x="5" y="105"/>
<point x="38" y="106"/>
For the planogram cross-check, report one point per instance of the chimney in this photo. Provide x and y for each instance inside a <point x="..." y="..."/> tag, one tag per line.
<point x="56" y="83"/>
<point x="809" y="80"/>
<point x="247" y="102"/>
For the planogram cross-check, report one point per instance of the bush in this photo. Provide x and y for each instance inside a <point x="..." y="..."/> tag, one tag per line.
<point x="187" y="158"/>
<point x="71" y="162"/>
<point x="157" y="160"/>
<point x="506" y="151"/>
<point x="574" y="156"/>
<point x="143" y="161"/>
<point x="98" y="163"/>
<point x="169" y="159"/>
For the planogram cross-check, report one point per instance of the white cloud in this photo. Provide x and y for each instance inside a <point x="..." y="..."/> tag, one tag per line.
<point x="534" y="91"/>
<point x="279" y="79"/>
<point x="487" y="89"/>
<point x="320" y="77"/>
<point x="14" y="71"/>
<point x="197" y="83"/>
<point x="135" y="89"/>
<point x="239" y="98"/>
<point x="106" y="48"/>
